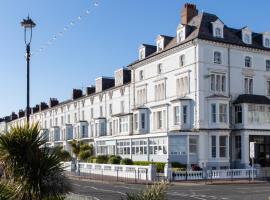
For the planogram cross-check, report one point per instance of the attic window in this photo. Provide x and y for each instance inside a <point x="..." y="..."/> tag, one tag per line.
<point x="247" y="38"/>
<point x="267" y="42"/>
<point x="218" y="32"/>
<point x="181" y="33"/>
<point x="141" y="53"/>
<point x="217" y="28"/>
<point x="159" y="46"/>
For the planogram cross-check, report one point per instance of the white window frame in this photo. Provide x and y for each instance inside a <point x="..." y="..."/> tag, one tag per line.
<point x="182" y="60"/>
<point x="218" y="82"/>
<point x="268" y="87"/>
<point x="217" y="57"/>
<point x="248" y="85"/>
<point x="267" y="65"/>
<point x="267" y="42"/>
<point x="159" y="68"/>
<point x="248" y="61"/>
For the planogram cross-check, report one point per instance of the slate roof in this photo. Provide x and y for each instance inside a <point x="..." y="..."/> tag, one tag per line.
<point x="201" y="27"/>
<point x="252" y="98"/>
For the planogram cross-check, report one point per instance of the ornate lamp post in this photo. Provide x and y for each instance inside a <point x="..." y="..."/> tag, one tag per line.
<point x="28" y="25"/>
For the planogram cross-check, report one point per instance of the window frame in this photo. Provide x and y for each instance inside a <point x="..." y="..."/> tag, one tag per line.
<point x="267" y="65"/>
<point x="182" y="60"/>
<point x="217" y="57"/>
<point x="248" y="62"/>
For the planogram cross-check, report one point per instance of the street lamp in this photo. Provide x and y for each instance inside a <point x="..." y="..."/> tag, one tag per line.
<point x="28" y="25"/>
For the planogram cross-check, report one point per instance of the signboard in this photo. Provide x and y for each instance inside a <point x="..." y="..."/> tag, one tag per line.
<point x="252" y="149"/>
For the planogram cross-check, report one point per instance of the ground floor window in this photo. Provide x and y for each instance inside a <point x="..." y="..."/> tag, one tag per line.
<point x="213" y="146"/>
<point x="158" y="146"/>
<point x="222" y="146"/>
<point x="139" y="147"/>
<point x="238" y="147"/>
<point x="178" y="145"/>
<point x="123" y="147"/>
<point x="193" y="144"/>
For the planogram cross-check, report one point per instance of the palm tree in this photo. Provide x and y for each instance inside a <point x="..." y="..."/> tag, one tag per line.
<point x="81" y="150"/>
<point x="35" y="172"/>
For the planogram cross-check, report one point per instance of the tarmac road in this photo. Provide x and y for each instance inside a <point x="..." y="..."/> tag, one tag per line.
<point x="116" y="191"/>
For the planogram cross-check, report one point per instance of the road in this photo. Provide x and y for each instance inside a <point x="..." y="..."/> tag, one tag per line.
<point x="114" y="191"/>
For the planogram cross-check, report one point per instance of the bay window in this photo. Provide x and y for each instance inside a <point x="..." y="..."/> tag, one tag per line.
<point x="123" y="124"/>
<point x="238" y="114"/>
<point x="213" y="113"/>
<point x="213" y="146"/>
<point x="223" y="113"/>
<point x="176" y="115"/>
<point x="222" y="146"/>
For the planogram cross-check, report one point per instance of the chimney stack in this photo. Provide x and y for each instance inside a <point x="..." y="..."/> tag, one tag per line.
<point x="77" y="93"/>
<point x="90" y="90"/>
<point x="189" y="11"/>
<point x="53" y="102"/>
<point x="21" y="113"/>
<point x="43" y="106"/>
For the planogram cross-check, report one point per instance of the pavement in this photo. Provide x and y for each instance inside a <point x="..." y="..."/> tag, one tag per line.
<point x="191" y="191"/>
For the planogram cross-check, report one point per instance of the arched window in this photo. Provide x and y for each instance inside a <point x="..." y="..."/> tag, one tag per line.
<point x="247" y="61"/>
<point x="218" y="32"/>
<point x="217" y="57"/>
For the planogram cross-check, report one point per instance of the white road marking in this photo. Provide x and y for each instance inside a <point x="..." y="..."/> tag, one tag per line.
<point x="99" y="189"/>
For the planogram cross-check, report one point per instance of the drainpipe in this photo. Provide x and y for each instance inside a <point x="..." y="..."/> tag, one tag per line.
<point x="230" y="106"/>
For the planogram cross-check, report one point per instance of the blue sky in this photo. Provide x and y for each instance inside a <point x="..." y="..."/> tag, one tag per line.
<point x="106" y="39"/>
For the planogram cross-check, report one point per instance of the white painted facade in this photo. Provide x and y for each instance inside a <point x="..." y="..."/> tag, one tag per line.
<point x="178" y="107"/>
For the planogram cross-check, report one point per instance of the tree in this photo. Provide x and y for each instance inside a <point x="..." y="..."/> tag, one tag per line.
<point x="63" y="154"/>
<point x="33" y="170"/>
<point x="82" y="150"/>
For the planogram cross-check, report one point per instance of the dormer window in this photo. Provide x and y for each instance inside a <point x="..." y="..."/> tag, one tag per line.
<point x="267" y="42"/>
<point x="181" y="33"/>
<point x="218" y="32"/>
<point x="246" y="36"/>
<point x="218" y="27"/>
<point x="159" y="45"/>
<point x="141" y="53"/>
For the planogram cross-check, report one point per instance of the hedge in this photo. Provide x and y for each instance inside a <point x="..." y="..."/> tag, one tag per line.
<point x="126" y="161"/>
<point x="160" y="165"/>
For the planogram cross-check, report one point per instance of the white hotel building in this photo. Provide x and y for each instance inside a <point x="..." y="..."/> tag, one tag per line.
<point x="197" y="98"/>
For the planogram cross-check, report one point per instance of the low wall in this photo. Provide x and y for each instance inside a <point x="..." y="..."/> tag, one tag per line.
<point x="147" y="173"/>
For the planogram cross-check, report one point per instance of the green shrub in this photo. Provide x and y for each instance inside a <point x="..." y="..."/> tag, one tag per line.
<point x="85" y="155"/>
<point x="126" y="161"/>
<point x="92" y="159"/>
<point x="154" y="192"/>
<point x="178" y="165"/>
<point x="63" y="154"/>
<point x="114" y="160"/>
<point x="102" y="159"/>
<point x="160" y="165"/>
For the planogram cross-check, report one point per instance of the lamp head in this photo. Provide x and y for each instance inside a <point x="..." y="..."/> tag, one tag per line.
<point x="28" y="23"/>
